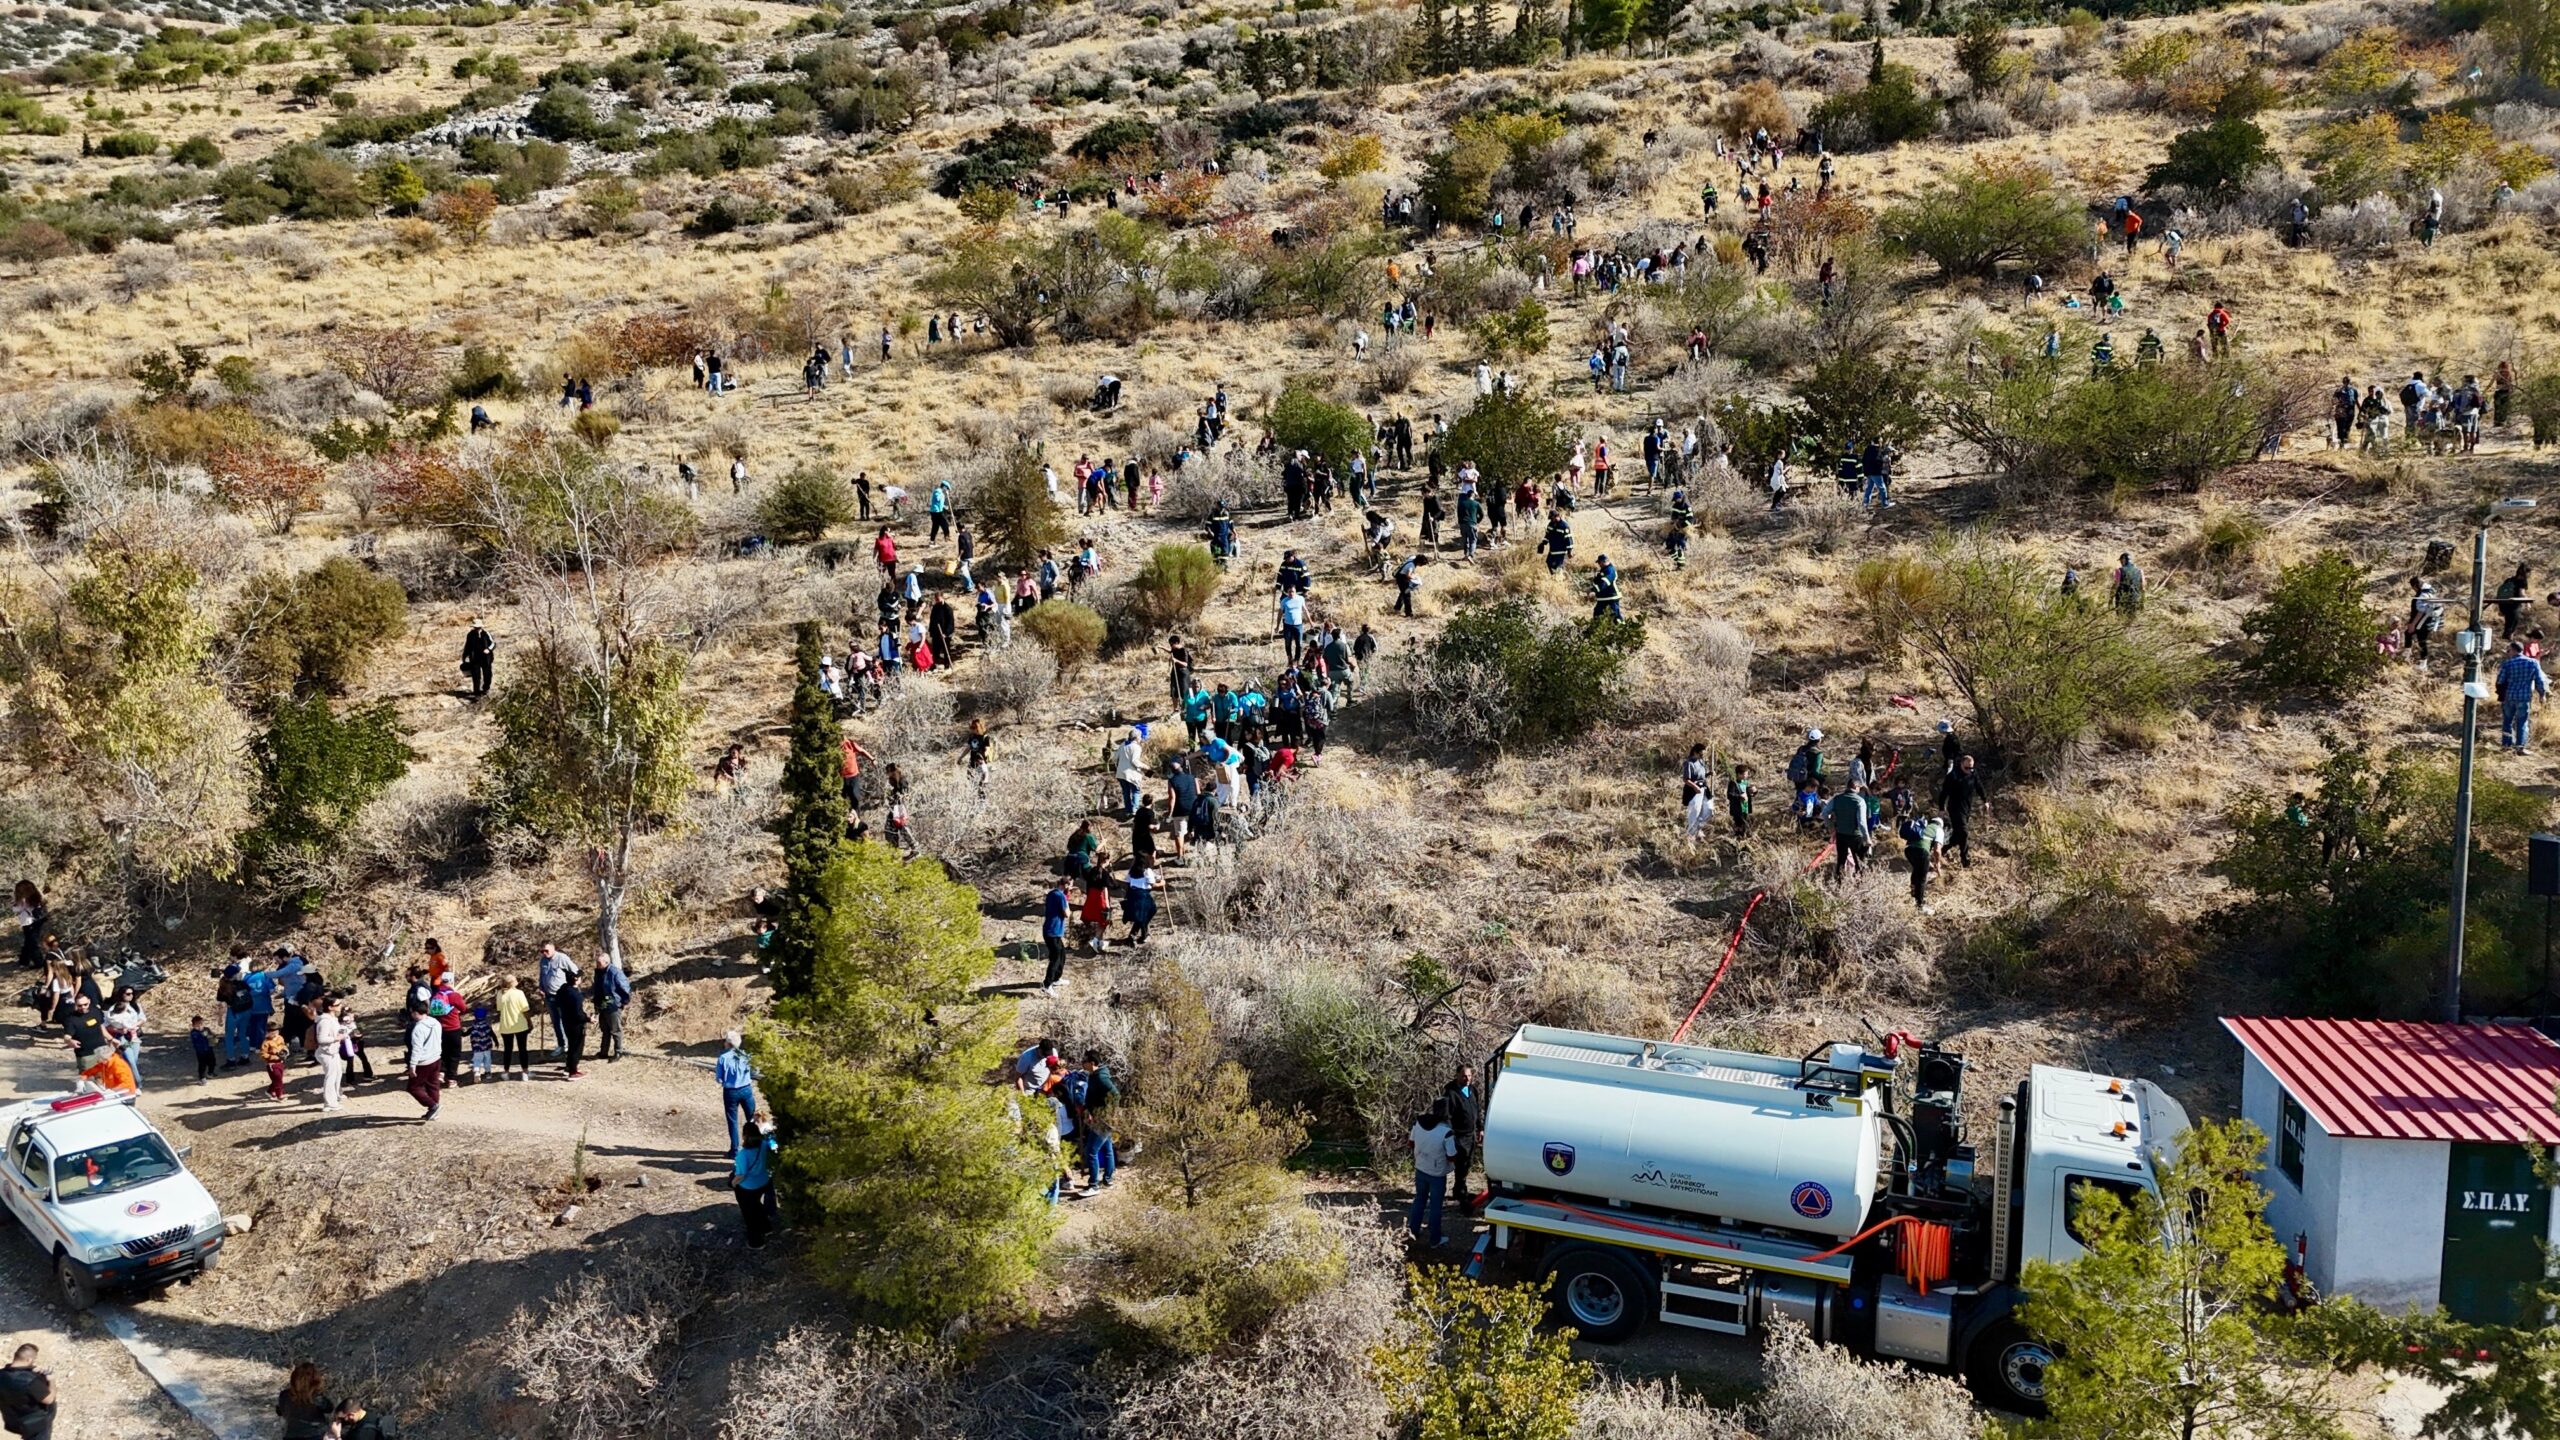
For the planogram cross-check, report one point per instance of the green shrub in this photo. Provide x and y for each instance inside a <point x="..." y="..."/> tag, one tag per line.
<point x="2039" y="670"/>
<point x="1113" y="138"/>
<point x="1507" y="334"/>
<point x="1497" y="675"/>
<point x="1303" y="420"/>
<point x="1072" y="632"/>
<point x="1890" y="109"/>
<point x="483" y="371"/>
<point x="1335" y="1045"/>
<point x="596" y="427"/>
<point x="1017" y="516"/>
<point x="1173" y="586"/>
<point x="316" y="773"/>
<point x="563" y="112"/>
<point x="198" y="152"/>
<point x="1510" y="438"/>
<point x="128" y="144"/>
<point x="2213" y="157"/>
<point x="804" y="504"/>
<point x="1010" y="152"/>
<point x="313" y="633"/>
<point x="2316" y="631"/>
<point x="1989" y="214"/>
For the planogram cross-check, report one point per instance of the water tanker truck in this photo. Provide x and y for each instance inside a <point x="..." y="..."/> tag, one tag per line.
<point x="1717" y="1189"/>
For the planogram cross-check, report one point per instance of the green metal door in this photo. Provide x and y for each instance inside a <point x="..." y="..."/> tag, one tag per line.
<point x="2496" y="1213"/>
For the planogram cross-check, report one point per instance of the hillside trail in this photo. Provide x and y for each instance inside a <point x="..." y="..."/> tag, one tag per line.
<point x="648" y="1112"/>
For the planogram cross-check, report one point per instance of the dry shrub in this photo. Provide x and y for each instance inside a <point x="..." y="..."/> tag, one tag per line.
<point x="664" y="337"/>
<point x="1010" y="681"/>
<point x="288" y="252"/>
<point x="412" y="830"/>
<point x="1393" y="371"/>
<point x="1311" y="1361"/>
<point x="1618" y="1409"/>
<point x="142" y="267"/>
<point x="713" y="855"/>
<point x="1233" y="479"/>
<point x="1082" y="1019"/>
<point x="1585" y="994"/>
<point x="1313" y="865"/>
<point x="602" y="1355"/>
<point x="913" y="723"/>
<point x="1822" y="1392"/>
<point x="873" y="1384"/>
<point x="1812" y="937"/>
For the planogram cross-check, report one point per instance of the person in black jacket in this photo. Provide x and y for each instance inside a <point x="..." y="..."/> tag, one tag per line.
<point x="305" y="1410"/>
<point x="26" y="1397"/>
<point x="1958" y="792"/>
<point x="479" y="659"/>
<point x="1466" y="1117"/>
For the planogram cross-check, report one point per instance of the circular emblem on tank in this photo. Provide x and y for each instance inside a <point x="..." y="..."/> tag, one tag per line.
<point x="1810" y="1200"/>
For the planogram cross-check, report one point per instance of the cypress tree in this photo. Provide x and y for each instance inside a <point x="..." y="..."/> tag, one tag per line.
<point x="812" y="825"/>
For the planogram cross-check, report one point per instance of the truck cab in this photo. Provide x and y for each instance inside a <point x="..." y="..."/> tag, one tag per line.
<point x="2086" y="1133"/>
<point x="105" y="1196"/>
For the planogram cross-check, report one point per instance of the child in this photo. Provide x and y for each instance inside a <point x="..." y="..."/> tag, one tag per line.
<point x="1809" y="798"/>
<point x="1737" y="801"/>
<point x="271" y="1049"/>
<point x="201" y="1040"/>
<point x="1096" y="915"/>
<point x="484" y="1042"/>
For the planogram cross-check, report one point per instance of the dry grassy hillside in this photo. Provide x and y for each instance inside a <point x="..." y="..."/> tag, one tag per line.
<point x="1548" y="884"/>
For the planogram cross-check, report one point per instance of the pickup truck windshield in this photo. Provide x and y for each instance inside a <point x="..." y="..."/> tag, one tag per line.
<point x="116" y="1165"/>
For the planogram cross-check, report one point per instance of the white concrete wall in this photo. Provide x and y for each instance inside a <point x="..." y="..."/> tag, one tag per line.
<point x="2390" y="1217"/>
<point x="2373" y="1209"/>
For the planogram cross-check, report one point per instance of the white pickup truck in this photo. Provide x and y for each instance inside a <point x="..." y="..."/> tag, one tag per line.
<point x="105" y="1196"/>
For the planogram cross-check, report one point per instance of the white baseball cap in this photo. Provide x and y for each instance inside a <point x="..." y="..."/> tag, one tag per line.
<point x="1814" y="733"/>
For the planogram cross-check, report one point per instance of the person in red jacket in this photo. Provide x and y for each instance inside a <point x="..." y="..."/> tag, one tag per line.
<point x="885" y="550"/>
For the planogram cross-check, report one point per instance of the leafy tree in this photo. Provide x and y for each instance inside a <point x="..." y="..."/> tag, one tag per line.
<point x="1852" y="398"/>
<point x="1758" y="106"/>
<point x="1017" y="516"/>
<point x="397" y="363"/>
<point x="1174" y="586"/>
<point x="1458" y="179"/>
<point x="1121" y="135"/>
<point x="2351" y="159"/>
<point x="1497" y="675"/>
<point x="313" y="633"/>
<point x="812" y="825"/>
<point x="465" y="212"/>
<point x="805" y="504"/>
<point x="922" y="1190"/>
<point x="2315" y="631"/>
<point x="1513" y="333"/>
<point x="197" y="152"/>
<point x="592" y="724"/>
<point x="2167" y="1328"/>
<point x="987" y="205"/>
<point x="1193" y="1106"/>
<point x="1073" y="633"/>
<point x="1470" y="1361"/>
<point x="2361" y="68"/>
<point x="563" y="112"/>
<point x="2038" y="670"/>
<point x="110" y="694"/>
<point x="1989" y="214"/>
<point x="317" y="771"/>
<point x="2214" y="157"/>
<point x="1010" y="152"/>
<point x="1303" y="420"/>
<point x="1351" y="157"/>
<point x="1604" y="24"/>
<point x="396" y="186"/>
<point x="2352" y="882"/>
<point x="2527" y="34"/>
<point x="1510" y="438"/>
<point x="2495" y="1380"/>
<point x="1004" y="279"/>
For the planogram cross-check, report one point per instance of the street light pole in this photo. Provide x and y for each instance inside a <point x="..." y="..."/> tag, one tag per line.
<point x="2474" y="644"/>
<point x="2474" y="640"/>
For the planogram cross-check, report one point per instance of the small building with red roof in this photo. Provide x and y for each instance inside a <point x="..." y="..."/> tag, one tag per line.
<point x="2401" y="1156"/>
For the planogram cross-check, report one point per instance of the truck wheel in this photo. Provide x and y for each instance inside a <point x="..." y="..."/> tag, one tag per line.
<point x="2007" y="1368"/>
<point x="1606" y="1297"/>
<point x="74" y="1284"/>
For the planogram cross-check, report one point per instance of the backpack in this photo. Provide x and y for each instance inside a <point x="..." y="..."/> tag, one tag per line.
<point x="1800" y="767"/>
<point x="2412" y="393"/>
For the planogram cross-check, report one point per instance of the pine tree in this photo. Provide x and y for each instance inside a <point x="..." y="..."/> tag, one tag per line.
<point x="812" y="828"/>
<point x="1875" y="62"/>
<point x="1195" y="1108"/>
<point x="1530" y="33"/>
<point x="1435" y="46"/>
<point x="1481" y="52"/>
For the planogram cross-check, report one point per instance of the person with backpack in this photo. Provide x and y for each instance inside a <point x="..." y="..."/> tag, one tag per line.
<point x="2413" y="398"/>
<point x="1806" y="766"/>
<point x="2426" y="616"/>
<point x="1914" y="832"/>
<point x="2127" y="593"/>
<point x="2514" y="594"/>
<point x="27" y="1397"/>
<point x="613" y="994"/>
<point x="1089" y="1094"/>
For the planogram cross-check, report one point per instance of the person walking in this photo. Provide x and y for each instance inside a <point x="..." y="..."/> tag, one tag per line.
<point x="1053" y="934"/>
<point x="1852" y="832"/>
<point x="479" y="658"/>
<point x="1737" y="801"/>
<point x="1435" y="1150"/>
<point x="2520" y="683"/>
<point x="2127" y="592"/>
<point x="329" y="1039"/>
<point x="737" y="1077"/>
<point x="751" y="1180"/>
<point x="426" y="1061"/>
<point x="1697" y="806"/>
<point x="2515" y="593"/>
<point x="1957" y="794"/>
<point x="515" y="1025"/>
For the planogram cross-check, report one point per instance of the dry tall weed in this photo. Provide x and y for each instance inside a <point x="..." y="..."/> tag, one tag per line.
<point x="1822" y="1392"/>
<point x="603" y="1355"/>
<point x="879" y="1386"/>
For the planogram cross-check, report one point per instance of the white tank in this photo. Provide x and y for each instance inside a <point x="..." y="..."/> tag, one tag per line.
<point x="1709" y="1132"/>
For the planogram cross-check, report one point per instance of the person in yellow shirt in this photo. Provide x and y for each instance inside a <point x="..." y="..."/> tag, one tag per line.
<point x="515" y="1022"/>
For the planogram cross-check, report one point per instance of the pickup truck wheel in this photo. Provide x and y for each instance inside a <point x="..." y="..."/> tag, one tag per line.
<point x="2007" y="1368"/>
<point x="74" y="1284"/>
<point x="1603" y="1296"/>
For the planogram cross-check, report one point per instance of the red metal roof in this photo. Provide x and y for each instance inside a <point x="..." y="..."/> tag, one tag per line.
<point x="2397" y="1080"/>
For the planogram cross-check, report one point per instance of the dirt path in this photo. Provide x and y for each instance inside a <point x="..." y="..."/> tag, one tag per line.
<point x="303" y="1284"/>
